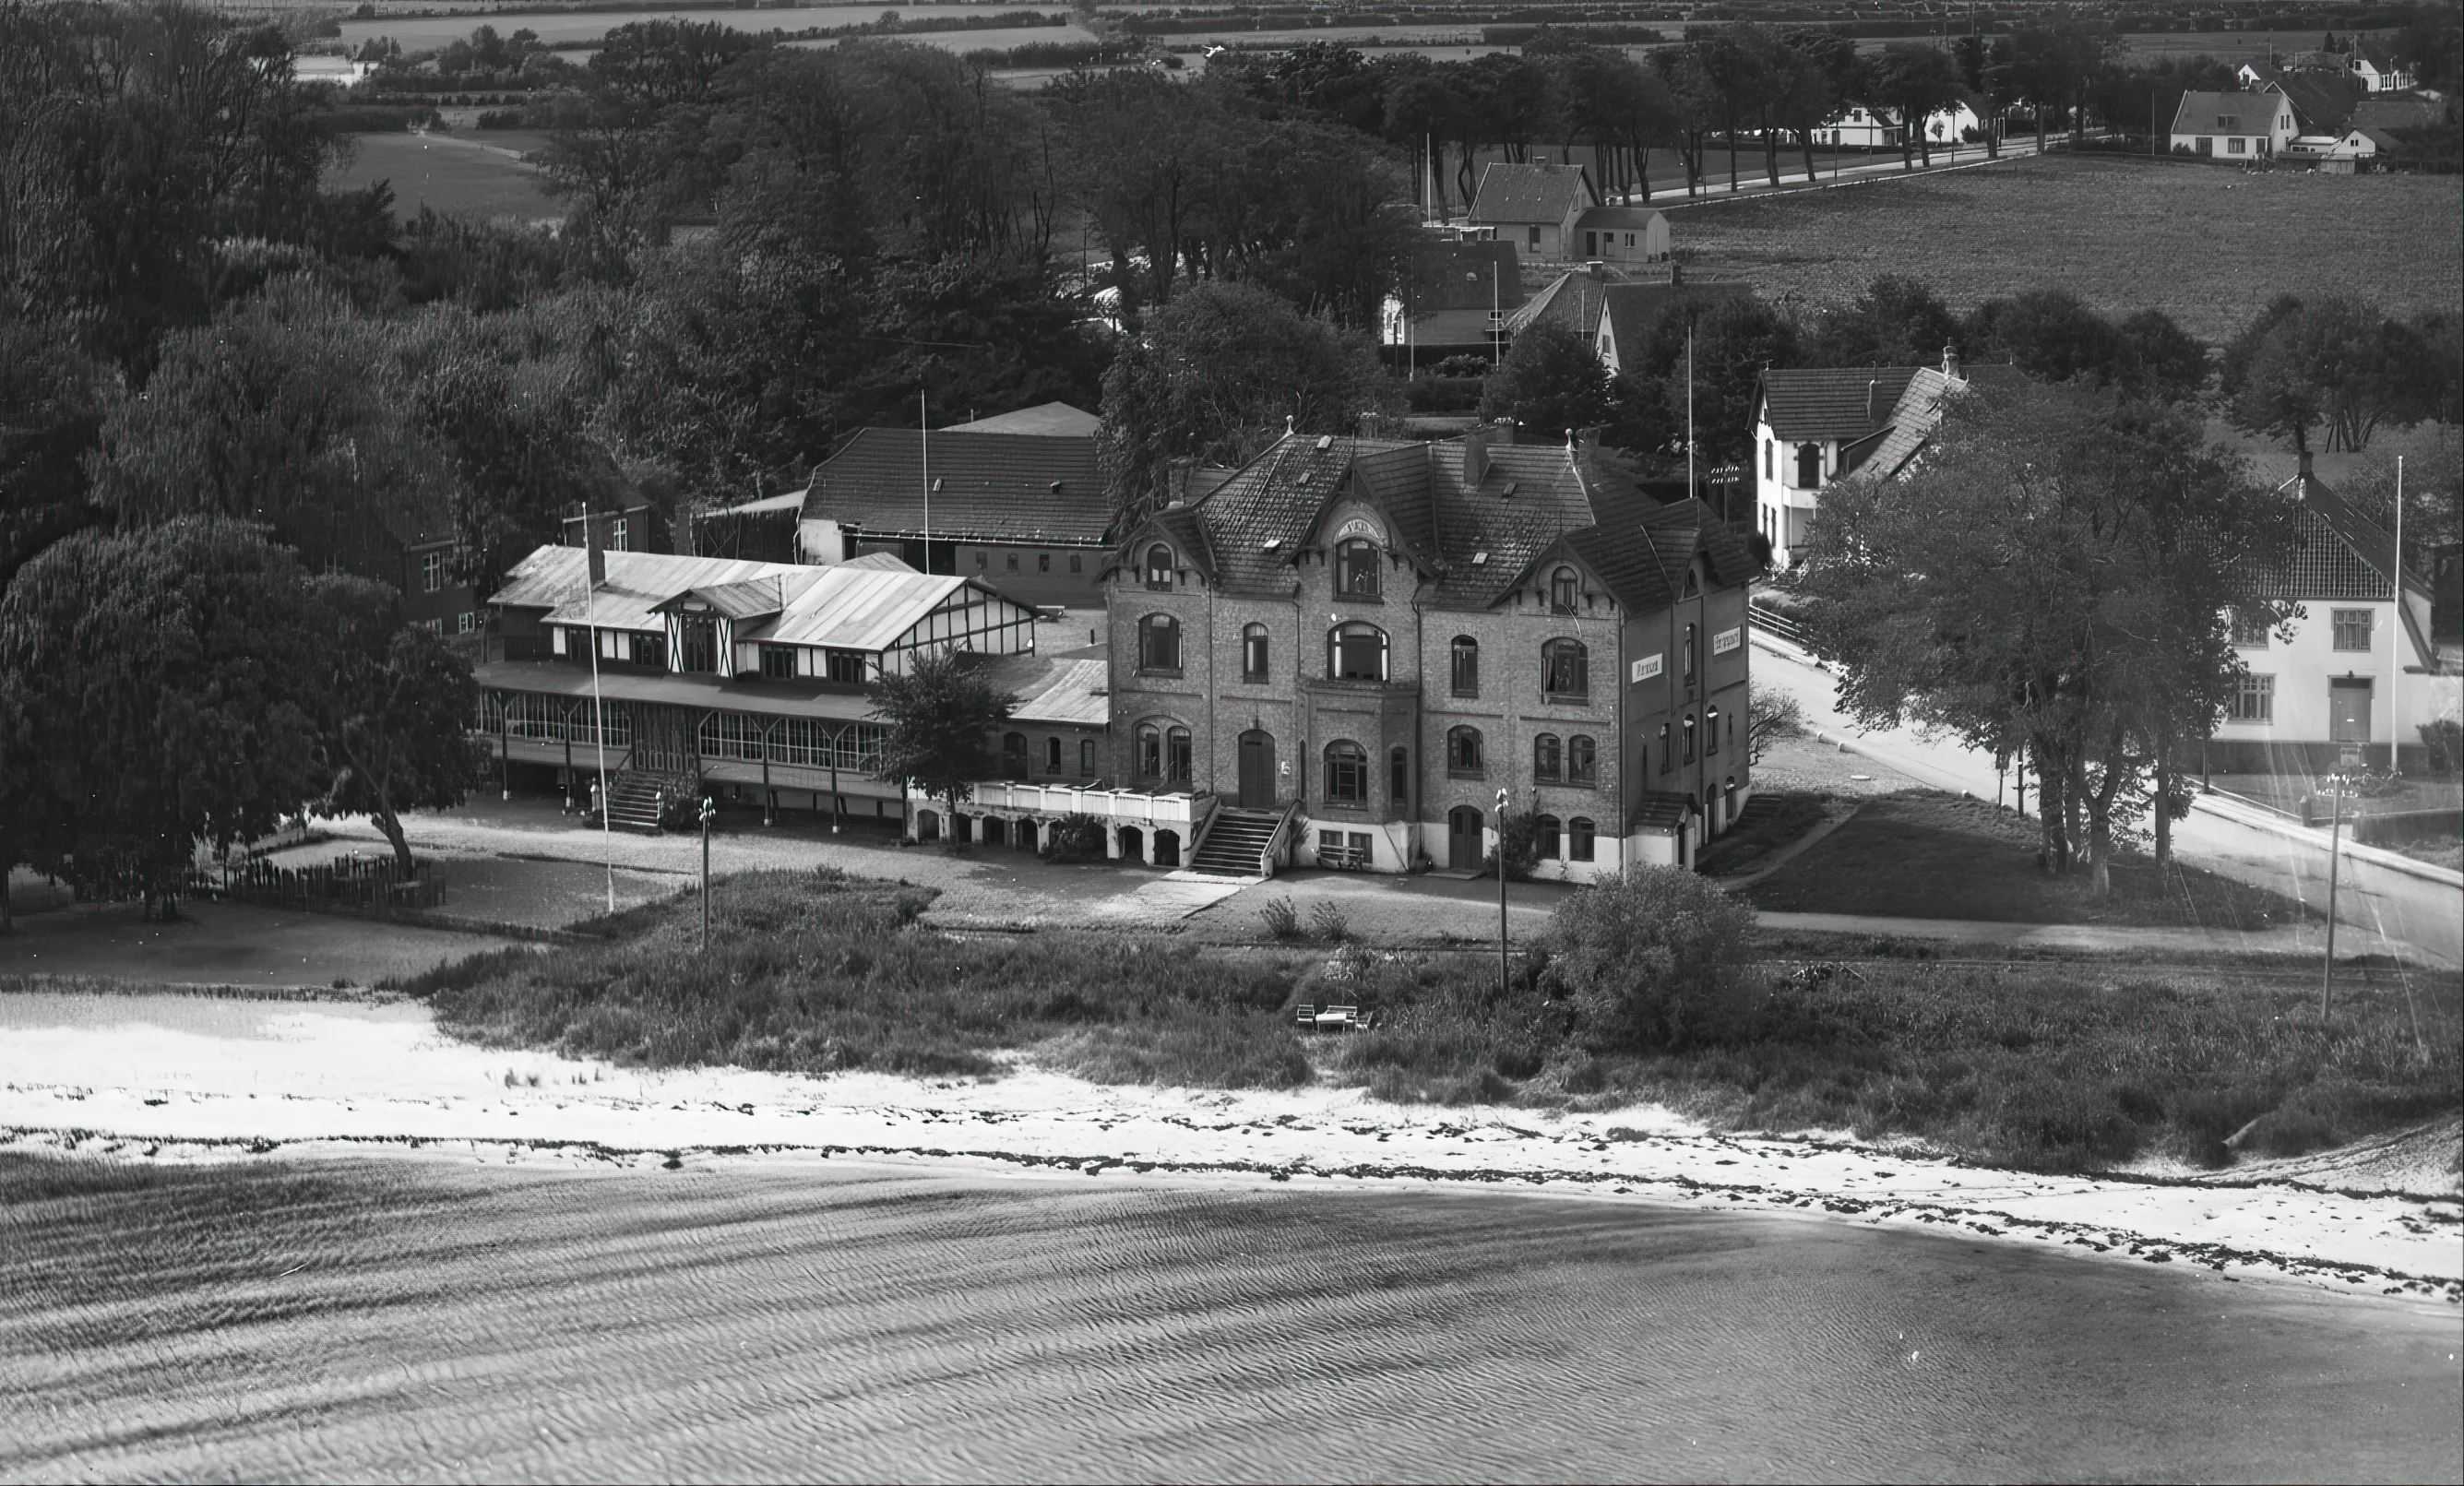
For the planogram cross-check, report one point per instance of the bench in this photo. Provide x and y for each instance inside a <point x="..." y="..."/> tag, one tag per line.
<point x="1333" y="1018"/>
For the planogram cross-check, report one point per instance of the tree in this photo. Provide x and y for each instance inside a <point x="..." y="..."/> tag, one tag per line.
<point x="1912" y="83"/>
<point x="1550" y="382"/>
<point x="394" y="711"/>
<point x="1897" y="321"/>
<point x="1771" y="716"/>
<point x="1735" y="337"/>
<point x="1810" y="80"/>
<point x="2334" y="363"/>
<point x="51" y="413"/>
<point x="2155" y="354"/>
<point x="941" y="716"/>
<point x="1221" y="373"/>
<point x="2053" y="67"/>
<point x="2046" y="332"/>
<point x="2054" y="576"/>
<point x="153" y="696"/>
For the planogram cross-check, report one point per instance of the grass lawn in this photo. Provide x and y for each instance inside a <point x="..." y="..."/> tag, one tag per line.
<point x="2121" y="234"/>
<point x="452" y="175"/>
<point x="1773" y="821"/>
<point x="2048" y="1066"/>
<point x="1921" y="853"/>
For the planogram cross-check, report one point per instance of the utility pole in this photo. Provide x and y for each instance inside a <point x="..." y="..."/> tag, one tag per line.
<point x="1689" y="407"/>
<point x="924" y="442"/>
<point x="594" y="569"/>
<point x="2395" y="672"/>
<point x="708" y="811"/>
<point x="2335" y="856"/>
<point x="1504" y="975"/>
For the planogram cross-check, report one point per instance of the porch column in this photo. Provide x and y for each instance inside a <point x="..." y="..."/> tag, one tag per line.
<point x="768" y="800"/>
<point x="570" y="708"/>
<point x="505" y="746"/>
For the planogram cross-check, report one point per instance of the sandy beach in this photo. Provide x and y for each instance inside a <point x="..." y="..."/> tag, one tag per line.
<point x="170" y="1078"/>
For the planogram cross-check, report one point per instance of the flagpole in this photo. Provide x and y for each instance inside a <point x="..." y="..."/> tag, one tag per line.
<point x="1689" y="407"/>
<point x="924" y="441"/>
<point x="2395" y="672"/>
<point x="598" y="707"/>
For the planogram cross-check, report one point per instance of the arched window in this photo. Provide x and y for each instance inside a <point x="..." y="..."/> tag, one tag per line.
<point x="1253" y="652"/>
<point x="1767" y="459"/>
<point x="1399" y="777"/>
<point x="1579" y="839"/>
<point x="1710" y="732"/>
<point x="1159" y="642"/>
<point x="1690" y="740"/>
<point x="1356" y="568"/>
<point x="1052" y="755"/>
<point x="1667" y="754"/>
<point x="1159" y="567"/>
<point x="1150" y="751"/>
<point x="1582" y="761"/>
<point x="1464" y="756"/>
<point x="1545" y="828"/>
<point x="1562" y="585"/>
<point x="1548" y="760"/>
<point x="1086" y="756"/>
<point x="1347" y="773"/>
<point x="1176" y="756"/>
<point x="1809" y="465"/>
<point x="1014" y="756"/>
<point x="1567" y="668"/>
<point x="1356" y="652"/>
<point x="1690" y="652"/>
<point x="1466" y="666"/>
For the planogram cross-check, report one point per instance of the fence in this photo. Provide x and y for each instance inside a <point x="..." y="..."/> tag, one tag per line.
<point x="352" y="884"/>
<point x="1776" y="622"/>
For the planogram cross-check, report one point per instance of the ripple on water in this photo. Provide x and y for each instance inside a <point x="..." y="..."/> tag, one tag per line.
<point x="401" y="1319"/>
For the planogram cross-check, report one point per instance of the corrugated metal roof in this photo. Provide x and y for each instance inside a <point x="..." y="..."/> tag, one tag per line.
<point x="550" y="578"/>
<point x="1051" y="418"/>
<point x="867" y="609"/>
<point x="1074" y="692"/>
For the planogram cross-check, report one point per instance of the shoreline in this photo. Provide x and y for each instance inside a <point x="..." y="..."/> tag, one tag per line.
<point x="190" y="1079"/>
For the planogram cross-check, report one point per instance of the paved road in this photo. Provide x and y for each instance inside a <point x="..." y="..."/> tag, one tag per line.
<point x="1752" y="182"/>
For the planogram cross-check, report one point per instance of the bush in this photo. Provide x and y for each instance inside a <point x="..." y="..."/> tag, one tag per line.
<point x="2445" y="742"/>
<point x="1653" y="959"/>
<point x="1327" y="922"/>
<point x="1282" y="920"/>
<point x="1074" y="837"/>
<point x="1443" y="394"/>
<point x="1520" y="841"/>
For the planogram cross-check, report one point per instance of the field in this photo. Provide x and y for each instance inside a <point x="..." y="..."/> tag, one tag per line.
<point x="2206" y="244"/>
<point x="455" y="176"/>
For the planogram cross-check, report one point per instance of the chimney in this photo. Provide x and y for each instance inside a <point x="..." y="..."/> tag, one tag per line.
<point x="1569" y="443"/>
<point x="1950" y="362"/>
<point x="2305" y="474"/>
<point x="1475" y="456"/>
<point x="1873" y="391"/>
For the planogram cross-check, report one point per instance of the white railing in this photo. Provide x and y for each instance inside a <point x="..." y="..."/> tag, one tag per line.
<point x="1129" y="806"/>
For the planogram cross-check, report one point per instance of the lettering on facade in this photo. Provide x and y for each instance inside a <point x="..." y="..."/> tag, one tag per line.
<point x="1360" y="526"/>
<point x="1647" y="667"/>
<point x="1727" y="640"/>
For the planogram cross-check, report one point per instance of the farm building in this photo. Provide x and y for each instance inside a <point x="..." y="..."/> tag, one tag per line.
<point x="1861" y="128"/>
<point x="1536" y="207"/>
<point x="2233" y="125"/>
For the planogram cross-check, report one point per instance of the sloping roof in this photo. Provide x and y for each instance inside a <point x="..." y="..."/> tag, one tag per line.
<point x="751" y="598"/>
<point x="2226" y="113"/>
<point x="2387" y="142"/>
<point x="1571" y="301"/>
<point x="2380" y="112"/>
<point x="1272" y="498"/>
<point x="1623" y="219"/>
<point x="1843" y="402"/>
<point x="1451" y="328"/>
<point x="550" y="578"/>
<point x="869" y="609"/>
<point x="1462" y="276"/>
<point x="1489" y="532"/>
<point x="1051" y="418"/>
<point x="991" y="487"/>
<point x="884" y="562"/>
<point x="1072" y="693"/>
<point x="1511" y="193"/>
<point x="1642" y="554"/>
<point x="2322" y="101"/>
<point x="790" y="501"/>
<point x="1634" y="310"/>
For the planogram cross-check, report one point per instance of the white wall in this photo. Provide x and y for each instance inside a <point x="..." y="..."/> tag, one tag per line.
<point x="2304" y="665"/>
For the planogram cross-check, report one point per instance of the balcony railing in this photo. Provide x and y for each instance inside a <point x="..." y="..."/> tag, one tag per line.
<point x="1135" y="806"/>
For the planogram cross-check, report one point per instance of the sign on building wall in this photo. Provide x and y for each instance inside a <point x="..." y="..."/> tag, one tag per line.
<point x="1648" y="666"/>
<point x="1727" y="640"/>
<point x="1360" y="526"/>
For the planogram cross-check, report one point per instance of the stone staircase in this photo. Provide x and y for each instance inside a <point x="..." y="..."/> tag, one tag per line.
<point x="633" y="798"/>
<point x="1236" y="842"/>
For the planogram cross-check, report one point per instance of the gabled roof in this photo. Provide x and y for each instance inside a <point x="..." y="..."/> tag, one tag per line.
<point x="884" y="562"/>
<point x="1515" y="194"/>
<point x="1623" y="219"/>
<point x="1274" y="498"/>
<point x="1571" y="301"/>
<point x="989" y="486"/>
<point x="550" y="580"/>
<point x="1820" y="403"/>
<point x="750" y="597"/>
<point x="2387" y="142"/>
<point x="2381" y="112"/>
<point x="1642" y="554"/>
<point x="1074" y="692"/>
<point x="1049" y="418"/>
<point x="2227" y="113"/>
<point x="1490" y="531"/>
<point x="1467" y="275"/>
<point x="2322" y="101"/>
<point x="1634" y="310"/>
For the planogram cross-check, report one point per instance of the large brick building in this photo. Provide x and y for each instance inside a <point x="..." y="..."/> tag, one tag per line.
<point x="1367" y="640"/>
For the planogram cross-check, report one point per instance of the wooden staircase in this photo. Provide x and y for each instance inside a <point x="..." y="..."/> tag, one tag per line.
<point x="1236" y="842"/>
<point x="634" y="797"/>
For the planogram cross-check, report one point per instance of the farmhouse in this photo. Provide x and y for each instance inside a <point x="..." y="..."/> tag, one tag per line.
<point x="1817" y="425"/>
<point x="1555" y="214"/>
<point x="1632" y="315"/>
<point x="2233" y="125"/>
<point x="2354" y="669"/>
<point x="1456" y="294"/>
<point x="711" y="670"/>
<point x="1352" y="646"/>
<point x="1859" y="127"/>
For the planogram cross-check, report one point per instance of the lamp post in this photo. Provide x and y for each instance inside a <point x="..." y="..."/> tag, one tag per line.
<point x="708" y="813"/>
<point x="1504" y="975"/>
<point x="2336" y="784"/>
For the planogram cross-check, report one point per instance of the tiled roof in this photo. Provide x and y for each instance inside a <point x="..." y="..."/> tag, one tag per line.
<point x="2227" y="113"/>
<point x="1451" y="328"/>
<point x="1658" y="810"/>
<point x="1513" y="194"/>
<point x="1635" y="311"/>
<point x="990" y="487"/>
<point x="1623" y="219"/>
<point x="1489" y="533"/>
<point x="1571" y="301"/>
<point x="1843" y="402"/>
<point x="2386" y="113"/>
<point x="1074" y="692"/>
<point x="1051" y="417"/>
<point x="2322" y="101"/>
<point x="1462" y="276"/>
<point x="1273" y="498"/>
<point x="2338" y="552"/>
<point x="1641" y="552"/>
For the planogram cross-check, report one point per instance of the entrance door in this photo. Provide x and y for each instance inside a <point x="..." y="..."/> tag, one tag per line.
<point x="1464" y="847"/>
<point x="2349" y="710"/>
<point x="1257" y="769"/>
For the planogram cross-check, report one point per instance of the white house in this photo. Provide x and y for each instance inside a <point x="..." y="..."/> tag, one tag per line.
<point x="2233" y="125"/>
<point x="1815" y="423"/>
<point x="2377" y="69"/>
<point x="1860" y="127"/>
<point x="2361" y="143"/>
<point x="1536" y="207"/>
<point x="2351" y="670"/>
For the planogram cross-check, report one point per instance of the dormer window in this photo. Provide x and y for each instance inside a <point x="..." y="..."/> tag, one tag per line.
<point x="1159" y="567"/>
<point x="1356" y="569"/>
<point x="1562" y="588"/>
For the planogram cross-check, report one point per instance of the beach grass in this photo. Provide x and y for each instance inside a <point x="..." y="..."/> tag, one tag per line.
<point x="2041" y="1064"/>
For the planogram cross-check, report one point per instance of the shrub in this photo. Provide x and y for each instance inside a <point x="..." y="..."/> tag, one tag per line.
<point x="2445" y="742"/>
<point x="1074" y="837"/>
<point x="1520" y="841"/>
<point x="1282" y="920"/>
<point x="1327" y="921"/>
<point x="1653" y="959"/>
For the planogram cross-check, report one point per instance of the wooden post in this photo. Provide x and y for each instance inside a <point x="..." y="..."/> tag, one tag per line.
<point x="2335" y="828"/>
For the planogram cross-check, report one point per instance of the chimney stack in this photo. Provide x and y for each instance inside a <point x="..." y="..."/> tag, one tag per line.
<point x="1873" y="391"/>
<point x="1950" y="362"/>
<point x="2305" y="474"/>
<point x="1475" y="456"/>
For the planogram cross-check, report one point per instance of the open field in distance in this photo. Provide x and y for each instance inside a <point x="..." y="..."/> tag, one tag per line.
<point x="2206" y="244"/>
<point x="455" y="176"/>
